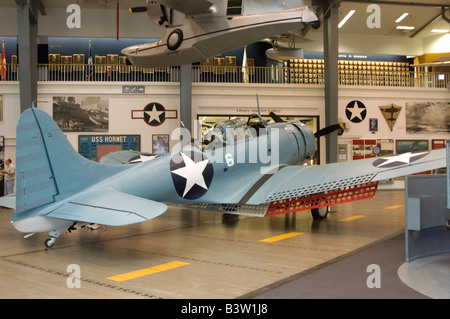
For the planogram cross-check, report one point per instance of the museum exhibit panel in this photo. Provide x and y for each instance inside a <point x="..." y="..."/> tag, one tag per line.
<point x="94" y="82"/>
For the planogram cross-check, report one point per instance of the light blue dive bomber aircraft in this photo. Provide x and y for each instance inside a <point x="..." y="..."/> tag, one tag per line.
<point x="57" y="189"/>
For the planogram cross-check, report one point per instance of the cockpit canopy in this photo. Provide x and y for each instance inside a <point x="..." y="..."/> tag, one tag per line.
<point x="230" y="131"/>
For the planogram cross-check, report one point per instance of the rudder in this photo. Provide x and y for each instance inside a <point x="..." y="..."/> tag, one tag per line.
<point x="48" y="169"/>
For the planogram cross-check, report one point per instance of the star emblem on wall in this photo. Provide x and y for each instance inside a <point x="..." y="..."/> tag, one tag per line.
<point x="192" y="173"/>
<point x="356" y="111"/>
<point x="154" y="114"/>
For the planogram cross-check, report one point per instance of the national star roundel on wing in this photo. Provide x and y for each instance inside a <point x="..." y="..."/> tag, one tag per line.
<point x="399" y="160"/>
<point x="192" y="173"/>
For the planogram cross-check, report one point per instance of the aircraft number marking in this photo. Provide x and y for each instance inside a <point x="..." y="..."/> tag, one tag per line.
<point x="229" y="159"/>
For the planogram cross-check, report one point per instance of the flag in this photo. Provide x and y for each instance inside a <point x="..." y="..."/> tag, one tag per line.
<point x="89" y="73"/>
<point x="244" y="66"/>
<point x="3" y="62"/>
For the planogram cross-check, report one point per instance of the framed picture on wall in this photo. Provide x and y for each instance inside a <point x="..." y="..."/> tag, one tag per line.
<point x="437" y="144"/>
<point x="373" y="125"/>
<point x="404" y="146"/>
<point x="207" y="65"/>
<point x="81" y="113"/>
<point x="160" y="144"/>
<point x="386" y="147"/>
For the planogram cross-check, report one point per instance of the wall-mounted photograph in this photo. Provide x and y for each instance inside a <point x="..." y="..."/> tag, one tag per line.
<point x="160" y="144"/>
<point x="427" y="117"/>
<point x="405" y="146"/>
<point x="81" y="113"/>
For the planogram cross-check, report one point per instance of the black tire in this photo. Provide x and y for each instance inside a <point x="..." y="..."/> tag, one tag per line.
<point x="320" y="213"/>
<point x="174" y="39"/>
<point x="316" y="24"/>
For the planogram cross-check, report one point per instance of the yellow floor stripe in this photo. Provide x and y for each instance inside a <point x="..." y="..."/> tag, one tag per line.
<point x="280" y="237"/>
<point x="394" y="207"/>
<point x="147" y="271"/>
<point x="351" y="218"/>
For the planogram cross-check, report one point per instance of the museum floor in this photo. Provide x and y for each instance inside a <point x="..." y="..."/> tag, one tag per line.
<point x="190" y="254"/>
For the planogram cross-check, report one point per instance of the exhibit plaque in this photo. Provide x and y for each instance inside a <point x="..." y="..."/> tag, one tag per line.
<point x="94" y="147"/>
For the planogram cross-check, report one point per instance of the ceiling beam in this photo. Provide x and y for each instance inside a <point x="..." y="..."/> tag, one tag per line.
<point x="444" y="16"/>
<point x="41" y="8"/>
<point x="429" y="21"/>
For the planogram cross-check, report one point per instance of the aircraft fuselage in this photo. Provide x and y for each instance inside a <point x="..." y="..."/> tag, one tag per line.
<point x="204" y="37"/>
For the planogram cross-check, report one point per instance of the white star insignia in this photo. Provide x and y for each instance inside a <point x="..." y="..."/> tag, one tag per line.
<point x="192" y="172"/>
<point x="154" y="114"/>
<point x="142" y="159"/>
<point x="404" y="158"/>
<point x="356" y="111"/>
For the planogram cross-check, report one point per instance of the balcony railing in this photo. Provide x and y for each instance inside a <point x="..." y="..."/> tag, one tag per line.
<point x="230" y="74"/>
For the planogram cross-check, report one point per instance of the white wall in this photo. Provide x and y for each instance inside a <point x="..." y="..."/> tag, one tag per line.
<point x="437" y="44"/>
<point x="120" y="108"/>
<point x="364" y="44"/>
<point x="373" y="97"/>
<point x="234" y="99"/>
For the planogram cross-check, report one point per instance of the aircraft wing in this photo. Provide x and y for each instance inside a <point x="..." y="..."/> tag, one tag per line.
<point x="191" y="7"/>
<point x="297" y="181"/>
<point x="111" y="208"/>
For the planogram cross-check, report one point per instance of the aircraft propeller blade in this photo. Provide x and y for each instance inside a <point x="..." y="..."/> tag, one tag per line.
<point x="275" y="117"/>
<point x="329" y="129"/>
<point x="137" y="9"/>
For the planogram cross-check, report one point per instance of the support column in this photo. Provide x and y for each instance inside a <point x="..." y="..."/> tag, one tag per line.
<point x="186" y="96"/>
<point x="331" y="48"/>
<point x="27" y="18"/>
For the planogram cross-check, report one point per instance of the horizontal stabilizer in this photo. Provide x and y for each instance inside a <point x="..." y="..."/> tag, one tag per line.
<point x="8" y="201"/>
<point x="109" y="208"/>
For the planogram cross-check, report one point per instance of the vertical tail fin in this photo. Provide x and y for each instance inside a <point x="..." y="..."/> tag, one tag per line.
<point x="48" y="169"/>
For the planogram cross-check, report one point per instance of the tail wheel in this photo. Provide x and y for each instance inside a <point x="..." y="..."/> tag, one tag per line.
<point x="49" y="242"/>
<point x="174" y="39"/>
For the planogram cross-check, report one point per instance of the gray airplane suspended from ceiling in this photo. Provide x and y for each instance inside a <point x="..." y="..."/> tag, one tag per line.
<point x="199" y="29"/>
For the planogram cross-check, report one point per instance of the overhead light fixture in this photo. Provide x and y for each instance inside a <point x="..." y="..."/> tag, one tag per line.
<point x="348" y="16"/>
<point x="440" y="31"/>
<point x="402" y="27"/>
<point x="401" y="17"/>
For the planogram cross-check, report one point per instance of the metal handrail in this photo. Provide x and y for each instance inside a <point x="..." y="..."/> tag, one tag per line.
<point x="229" y="74"/>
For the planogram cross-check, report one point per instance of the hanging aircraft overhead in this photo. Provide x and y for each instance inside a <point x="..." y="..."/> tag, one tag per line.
<point x="200" y="29"/>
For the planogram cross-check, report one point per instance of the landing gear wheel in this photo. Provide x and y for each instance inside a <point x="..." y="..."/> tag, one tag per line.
<point x="230" y="219"/>
<point x="316" y="24"/>
<point x="49" y="242"/>
<point x="174" y="39"/>
<point x="320" y="213"/>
